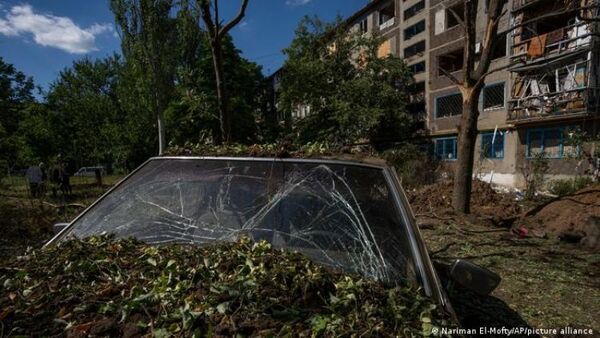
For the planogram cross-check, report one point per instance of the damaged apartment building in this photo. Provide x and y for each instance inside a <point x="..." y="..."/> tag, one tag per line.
<point x="547" y="87"/>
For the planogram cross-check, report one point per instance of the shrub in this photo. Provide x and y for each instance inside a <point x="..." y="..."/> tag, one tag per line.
<point x="569" y="186"/>
<point x="413" y="164"/>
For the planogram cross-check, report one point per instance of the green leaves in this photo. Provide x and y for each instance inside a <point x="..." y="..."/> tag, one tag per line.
<point x="224" y="289"/>
<point x="353" y="94"/>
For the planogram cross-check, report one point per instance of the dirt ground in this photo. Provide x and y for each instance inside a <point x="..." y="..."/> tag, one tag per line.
<point x="547" y="281"/>
<point x="573" y="218"/>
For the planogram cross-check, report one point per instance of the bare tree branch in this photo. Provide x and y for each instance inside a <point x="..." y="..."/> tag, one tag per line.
<point x="235" y="20"/>
<point x="460" y="21"/>
<point x="450" y="76"/>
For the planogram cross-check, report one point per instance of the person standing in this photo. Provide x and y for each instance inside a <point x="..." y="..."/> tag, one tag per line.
<point x="34" y="177"/>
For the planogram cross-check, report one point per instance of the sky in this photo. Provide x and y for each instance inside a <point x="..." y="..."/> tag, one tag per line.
<point x="42" y="37"/>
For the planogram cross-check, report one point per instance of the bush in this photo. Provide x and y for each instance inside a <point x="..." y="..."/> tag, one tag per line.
<point x="569" y="186"/>
<point x="413" y="164"/>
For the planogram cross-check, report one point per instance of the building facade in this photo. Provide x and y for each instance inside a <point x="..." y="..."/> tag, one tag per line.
<point x="546" y="88"/>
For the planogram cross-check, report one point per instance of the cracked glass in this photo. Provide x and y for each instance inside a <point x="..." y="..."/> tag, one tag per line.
<point x="340" y="215"/>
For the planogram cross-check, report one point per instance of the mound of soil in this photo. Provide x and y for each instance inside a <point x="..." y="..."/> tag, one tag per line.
<point x="102" y="287"/>
<point x="574" y="218"/>
<point x="485" y="201"/>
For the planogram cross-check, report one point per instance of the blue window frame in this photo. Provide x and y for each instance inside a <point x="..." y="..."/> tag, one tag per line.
<point x="445" y="148"/>
<point x="550" y="141"/>
<point x="492" y="147"/>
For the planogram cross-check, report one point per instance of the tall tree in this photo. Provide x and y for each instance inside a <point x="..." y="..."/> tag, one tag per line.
<point x="85" y="113"/>
<point x="16" y="93"/>
<point x="474" y="74"/>
<point x="216" y="31"/>
<point x="351" y="92"/>
<point x="149" y="41"/>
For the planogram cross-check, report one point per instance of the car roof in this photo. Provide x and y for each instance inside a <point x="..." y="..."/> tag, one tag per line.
<point x="342" y="159"/>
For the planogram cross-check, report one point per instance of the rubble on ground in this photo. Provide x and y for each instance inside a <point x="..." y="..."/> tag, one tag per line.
<point x="102" y="286"/>
<point x="573" y="218"/>
<point x="485" y="201"/>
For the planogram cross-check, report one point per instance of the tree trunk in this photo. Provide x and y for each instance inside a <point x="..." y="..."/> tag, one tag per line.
<point x="162" y="139"/>
<point x="224" y="120"/>
<point x="467" y="136"/>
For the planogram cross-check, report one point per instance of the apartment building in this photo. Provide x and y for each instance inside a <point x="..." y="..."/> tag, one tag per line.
<point x="547" y="85"/>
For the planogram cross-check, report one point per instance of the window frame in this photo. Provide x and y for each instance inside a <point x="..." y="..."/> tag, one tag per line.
<point x="435" y="102"/>
<point x="413" y="30"/>
<point x="444" y="140"/>
<point x="412" y="11"/>
<point x="414" y="46"/>
<point x="482" y="96"/>
<point x="493" y="149"/>
<point x="544" y="131"/>
<point x="411" y="67"/>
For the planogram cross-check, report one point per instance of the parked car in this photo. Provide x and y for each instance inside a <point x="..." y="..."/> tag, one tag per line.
<point x="89" y="171"/>
<point x="349" y="215"/>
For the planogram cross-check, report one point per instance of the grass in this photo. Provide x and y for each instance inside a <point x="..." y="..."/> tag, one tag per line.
<point x="26" y="221"/>
<point x="548" y="283"/>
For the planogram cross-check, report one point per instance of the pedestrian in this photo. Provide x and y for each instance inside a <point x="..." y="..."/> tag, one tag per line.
<point x="34" y="178"/>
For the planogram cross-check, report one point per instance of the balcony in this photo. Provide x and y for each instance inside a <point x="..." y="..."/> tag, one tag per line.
<point x="549" y="106"/>
<point x="560" y="41"/>
<point x="561" y="91"/>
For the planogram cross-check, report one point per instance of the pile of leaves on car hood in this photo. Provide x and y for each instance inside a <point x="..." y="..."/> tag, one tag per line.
<point x="102" y="286"/>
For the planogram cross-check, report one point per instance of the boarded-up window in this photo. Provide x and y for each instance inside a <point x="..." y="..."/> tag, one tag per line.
<point x="493" y="96"/>
<point x="385" y="49"/>
<point x="448" y="105"/>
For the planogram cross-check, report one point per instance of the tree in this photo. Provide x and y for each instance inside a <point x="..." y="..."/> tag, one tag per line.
<point x="194" y="112"/>
<point x="471" y="85"/>
<point x="216" y="31"/>
<point x="149" y="39"/>
<point x="86" y="118"/>
<point x="352" y="93"/>
<point x="16" y="94"/>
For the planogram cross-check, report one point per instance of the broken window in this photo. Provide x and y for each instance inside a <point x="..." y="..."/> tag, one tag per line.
<point x="416" y="92"/>
<point x="386" y="15"/>
<point x="451" y="62"/>
<point x="341" y="215"/>
<point x="448" y="105"/>
<point x="500" y="47"/>
<point x="493" y="96"/>
<point x="414" y="9"/>
<point x="363" y="26"/>
<point x="454" y="13"/>
<point x="492" y="145"/>
<point x="417" y="68"/>
<point x="415" y="49"/>
<point x="414" y="30"/>
<point x="445" y="148"/>
<point x="549" y="141"/>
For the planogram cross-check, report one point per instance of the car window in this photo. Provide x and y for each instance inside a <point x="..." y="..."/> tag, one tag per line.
<point x="340" y="215"/>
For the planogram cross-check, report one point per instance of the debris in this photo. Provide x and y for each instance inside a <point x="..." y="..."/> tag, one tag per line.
<point x="220" y="290"/>
<point x="573" y="218"/>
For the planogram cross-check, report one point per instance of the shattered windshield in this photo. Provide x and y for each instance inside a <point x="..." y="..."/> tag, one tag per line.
<point x="339" y="215"/>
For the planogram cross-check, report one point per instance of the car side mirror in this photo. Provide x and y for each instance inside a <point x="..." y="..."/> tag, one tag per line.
<point x="474" y="277"/>
<point x="58" y="227"/>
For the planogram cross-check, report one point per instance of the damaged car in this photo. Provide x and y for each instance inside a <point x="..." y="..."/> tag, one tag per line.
<point x="348" y="215"/>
